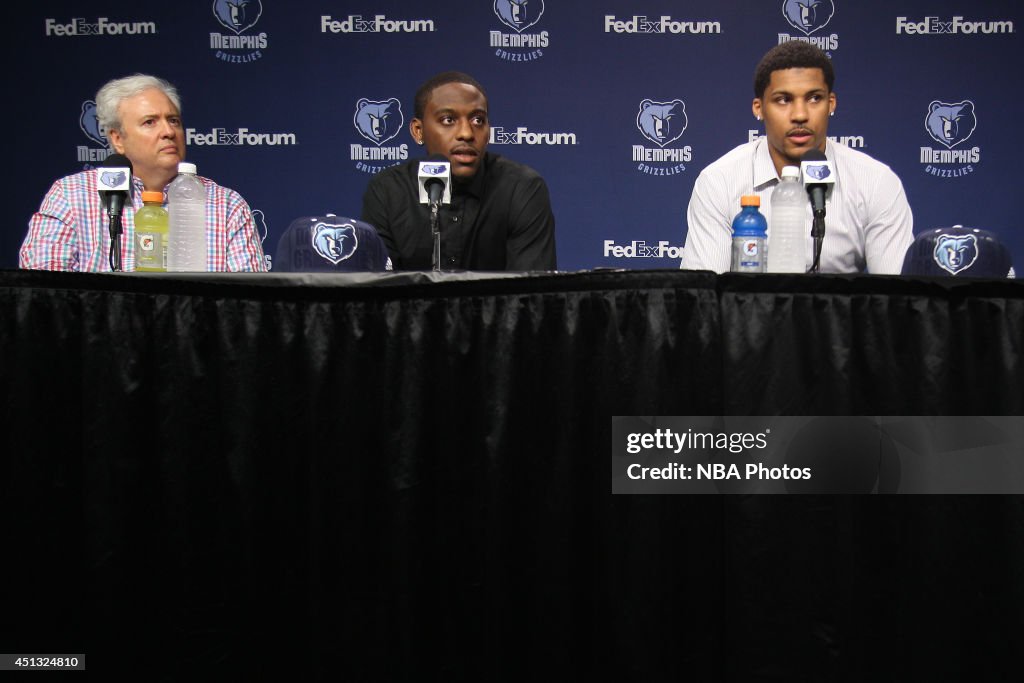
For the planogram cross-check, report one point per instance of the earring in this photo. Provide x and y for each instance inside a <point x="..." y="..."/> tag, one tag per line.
<point x="832" y="113"/>
<point x="758" y="118"/>
<point x="419" y="142"/>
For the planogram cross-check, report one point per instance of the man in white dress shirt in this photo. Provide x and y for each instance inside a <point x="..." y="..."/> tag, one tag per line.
<point x="868" y="225"/>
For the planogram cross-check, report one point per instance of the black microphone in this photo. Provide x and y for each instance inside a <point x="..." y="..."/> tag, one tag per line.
<point x="818" y="175"/>
<point x="114" y="181"/>
<point x="434" y="179"/>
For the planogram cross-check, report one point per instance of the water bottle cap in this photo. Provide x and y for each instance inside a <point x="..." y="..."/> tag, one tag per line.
<point x="790" y="171"/>
<point x="186" y="167"/>
<point x="750" y="200"/>
<point x="157" y="197"/>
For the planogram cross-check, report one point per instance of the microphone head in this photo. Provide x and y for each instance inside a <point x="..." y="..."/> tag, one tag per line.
<point x="116" y="159"/>
<point x="433" y="171"/>
<point x="816" y="168"/>
<point x="813" y="154"/>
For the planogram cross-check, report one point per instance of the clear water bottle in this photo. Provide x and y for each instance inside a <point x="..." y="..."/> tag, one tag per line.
<point x="186" y="203"/>
<point x="151" y="226"/>
<point x="749" y="234"/>
<point x="786" y="245"/>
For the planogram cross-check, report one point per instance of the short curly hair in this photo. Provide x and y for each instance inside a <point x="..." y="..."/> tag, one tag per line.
<point x="794" y="54"/>
<point x="443" y="78"/>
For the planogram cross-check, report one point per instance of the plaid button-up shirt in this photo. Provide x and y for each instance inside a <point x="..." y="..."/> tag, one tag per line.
<point x="71" y="232"/>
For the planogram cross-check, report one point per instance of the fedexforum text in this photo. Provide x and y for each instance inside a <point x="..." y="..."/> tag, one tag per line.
<point x="667" y="440"/>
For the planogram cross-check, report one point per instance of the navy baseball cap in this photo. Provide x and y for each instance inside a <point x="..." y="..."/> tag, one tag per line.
<point x="332" y="244"/>
<point x="958" y="251"/>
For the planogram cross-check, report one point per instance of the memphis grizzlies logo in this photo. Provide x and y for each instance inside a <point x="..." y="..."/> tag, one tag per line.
<point x="519" y="15"/>
<point x="661" y="122"/>
<point x="950" y="124"/>
<point x="955" y="253"/>
<point x="818" y="172"/>
<point x="378" y="122"/>
<point x="90" y="124"/>
<point x="334" y="242"/>
<point x="237" y="15"/>
<point x="113" y="178"/>
<point x="807" y="16"/>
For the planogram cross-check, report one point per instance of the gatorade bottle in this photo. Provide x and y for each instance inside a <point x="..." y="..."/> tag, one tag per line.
<point x="151" y="234"/>
<point x="186" y="202"/>
<point x="749" y="233"/>
<point x="786" y="245"/>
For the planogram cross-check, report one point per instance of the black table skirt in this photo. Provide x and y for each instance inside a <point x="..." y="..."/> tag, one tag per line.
<point x="405" y="477"/>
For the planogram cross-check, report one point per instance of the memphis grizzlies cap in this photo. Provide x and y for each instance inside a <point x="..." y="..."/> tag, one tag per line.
<point x="958" y="251"/>
<point x="332" y="244"/>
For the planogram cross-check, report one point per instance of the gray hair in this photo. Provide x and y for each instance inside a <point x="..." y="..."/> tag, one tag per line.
<point x="110" y="96"/>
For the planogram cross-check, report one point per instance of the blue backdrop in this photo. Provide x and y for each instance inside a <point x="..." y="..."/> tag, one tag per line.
<point x="270" y="90"/>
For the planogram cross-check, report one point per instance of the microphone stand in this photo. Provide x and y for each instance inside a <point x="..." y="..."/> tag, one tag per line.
<point x="435" y="230"/>
<point x="818" y="234"/>
<point x="116" y="228"/>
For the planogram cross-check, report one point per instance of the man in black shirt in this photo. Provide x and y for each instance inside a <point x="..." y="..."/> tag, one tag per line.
<point x="500" y="216"/>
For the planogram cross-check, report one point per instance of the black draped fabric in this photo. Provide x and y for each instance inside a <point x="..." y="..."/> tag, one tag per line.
<point x="852" y="345"/>
<point x="394" y="479"/>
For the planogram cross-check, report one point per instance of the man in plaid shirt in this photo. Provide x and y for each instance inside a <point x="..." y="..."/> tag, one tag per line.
<point x="141" y="116"/>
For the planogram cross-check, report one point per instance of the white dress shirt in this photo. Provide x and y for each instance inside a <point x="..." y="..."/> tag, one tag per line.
<point x="868" y="222"/>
